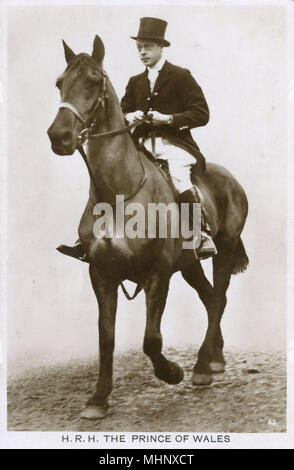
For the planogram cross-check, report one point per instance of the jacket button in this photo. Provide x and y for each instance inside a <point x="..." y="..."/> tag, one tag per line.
<point x="155" y="94"/>
<point x="148" y="99"/>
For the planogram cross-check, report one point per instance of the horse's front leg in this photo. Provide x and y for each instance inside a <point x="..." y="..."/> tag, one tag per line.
<point x="106" y="293"/>
<point x="156" y="290"/>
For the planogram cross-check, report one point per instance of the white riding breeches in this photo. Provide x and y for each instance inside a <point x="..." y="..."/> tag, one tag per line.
<point x="179" y="161"/>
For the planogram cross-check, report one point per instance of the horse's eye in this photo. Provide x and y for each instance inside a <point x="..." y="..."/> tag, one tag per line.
<point x="92" y="81"/>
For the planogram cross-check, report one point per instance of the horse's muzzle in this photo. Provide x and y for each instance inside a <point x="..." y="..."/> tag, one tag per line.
<point x="62" y="140"/>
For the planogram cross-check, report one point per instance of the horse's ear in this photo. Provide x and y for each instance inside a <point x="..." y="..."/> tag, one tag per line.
<point x="98" y="50"/>
<point x="69" y="54"/>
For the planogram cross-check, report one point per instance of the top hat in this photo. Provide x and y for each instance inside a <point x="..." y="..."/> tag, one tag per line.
<point x="153" y="29"/>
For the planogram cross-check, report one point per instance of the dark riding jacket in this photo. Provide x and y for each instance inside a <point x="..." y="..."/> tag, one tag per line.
<point x="176" y="93"/>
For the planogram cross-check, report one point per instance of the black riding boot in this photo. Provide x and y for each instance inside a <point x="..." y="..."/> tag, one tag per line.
<point x="77" y="251"/>
<point x="207" y="248"/>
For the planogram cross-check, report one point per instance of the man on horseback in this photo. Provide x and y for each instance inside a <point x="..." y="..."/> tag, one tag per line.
<point x="116" y="167"/>
<point x="175" y="103"/>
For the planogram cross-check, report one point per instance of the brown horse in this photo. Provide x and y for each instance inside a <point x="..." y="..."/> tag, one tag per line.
<point x="116" y="166"/>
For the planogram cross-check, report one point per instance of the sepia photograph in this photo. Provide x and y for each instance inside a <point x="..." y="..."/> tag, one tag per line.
<point x="145" y="201"/>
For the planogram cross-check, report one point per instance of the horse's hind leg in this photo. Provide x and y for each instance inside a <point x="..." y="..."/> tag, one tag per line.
<point x="106" y="293"/>
<point x="156" y="290"/>
<point x="195" y="276"/>
<point x="210" y="357"/>
<point x="218" y="362"/>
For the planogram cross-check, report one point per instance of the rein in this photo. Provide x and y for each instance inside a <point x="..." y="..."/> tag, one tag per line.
<point x="85" y="158"/>
<point x="86" y="133"/>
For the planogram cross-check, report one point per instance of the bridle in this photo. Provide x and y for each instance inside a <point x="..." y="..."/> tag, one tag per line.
<point x="90" y="123"/>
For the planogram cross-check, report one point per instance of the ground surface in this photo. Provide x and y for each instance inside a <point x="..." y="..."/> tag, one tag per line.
<point x="249" y="397"/>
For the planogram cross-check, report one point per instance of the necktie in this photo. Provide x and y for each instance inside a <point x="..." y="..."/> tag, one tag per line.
<point x="152" y="75"/>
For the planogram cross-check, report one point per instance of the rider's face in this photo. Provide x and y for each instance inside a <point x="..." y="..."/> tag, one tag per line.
<point x="149" y="52"/>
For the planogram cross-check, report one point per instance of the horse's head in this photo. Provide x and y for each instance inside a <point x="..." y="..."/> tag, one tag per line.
<point x="81" y="89"/>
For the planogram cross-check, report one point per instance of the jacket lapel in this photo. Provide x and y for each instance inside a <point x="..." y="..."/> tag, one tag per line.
<point x="145" y="84"/>
<point x="163" y="76"/>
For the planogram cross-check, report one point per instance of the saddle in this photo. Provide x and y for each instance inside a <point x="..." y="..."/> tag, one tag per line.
<point x="163" y="167"/>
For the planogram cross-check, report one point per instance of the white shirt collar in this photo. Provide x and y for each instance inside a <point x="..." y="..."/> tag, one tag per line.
<point x="158" y="66"/>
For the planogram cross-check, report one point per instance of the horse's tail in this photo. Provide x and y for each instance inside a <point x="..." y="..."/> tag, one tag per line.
<point x="241" y="258"/>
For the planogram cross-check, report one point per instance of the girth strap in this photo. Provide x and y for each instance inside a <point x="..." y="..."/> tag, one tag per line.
<point x="127" y="295"/>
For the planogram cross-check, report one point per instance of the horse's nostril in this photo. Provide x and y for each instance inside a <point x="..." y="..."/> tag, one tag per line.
<point x="57" y="137"/>
<point x="66" y="138"/>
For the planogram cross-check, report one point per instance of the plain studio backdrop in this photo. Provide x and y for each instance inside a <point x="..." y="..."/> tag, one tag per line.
<point x="238" y="56"/>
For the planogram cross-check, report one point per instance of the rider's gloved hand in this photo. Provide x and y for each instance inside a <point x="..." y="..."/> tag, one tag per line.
<point x="157" y="119"/>
<point x="133" y="117"/>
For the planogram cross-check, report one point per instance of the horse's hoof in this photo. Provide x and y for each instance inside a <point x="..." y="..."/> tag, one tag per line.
<point x="94" y="412"/>
<point x="177" y="376"/>
<point x="217" y="367"/>
<point x="201" y="379"/>
<point x="172" y="373"/>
